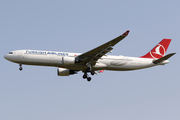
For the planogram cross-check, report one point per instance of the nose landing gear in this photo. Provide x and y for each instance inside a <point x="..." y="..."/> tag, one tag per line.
<point x="20" y="67"/>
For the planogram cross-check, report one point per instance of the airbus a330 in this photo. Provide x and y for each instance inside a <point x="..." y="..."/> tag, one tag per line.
<point x="94" y="61"/>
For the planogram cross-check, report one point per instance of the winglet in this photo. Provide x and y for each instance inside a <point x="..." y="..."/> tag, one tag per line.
<point x="163" y="58"/>
<point x="126" y="33"/>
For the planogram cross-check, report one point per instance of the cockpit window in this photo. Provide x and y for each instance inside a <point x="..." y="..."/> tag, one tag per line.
<point x="10" y="52"/>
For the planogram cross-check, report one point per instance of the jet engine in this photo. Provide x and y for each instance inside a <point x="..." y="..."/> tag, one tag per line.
<point x="65" y="72"/>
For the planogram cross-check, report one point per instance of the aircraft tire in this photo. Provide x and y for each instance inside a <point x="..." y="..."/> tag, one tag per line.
<point x="20" y="68"/>
<point x="92" y="72"/>
<point x="84" y="76"/>
<point x="89" y="79"/>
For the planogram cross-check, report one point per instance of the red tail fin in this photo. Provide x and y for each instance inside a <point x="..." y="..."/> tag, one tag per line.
<point x="159" y="50"/>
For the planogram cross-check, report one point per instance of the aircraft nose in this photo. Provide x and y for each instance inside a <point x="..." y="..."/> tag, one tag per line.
<point x="6" y="57"/>
<point x="10" y="57"/>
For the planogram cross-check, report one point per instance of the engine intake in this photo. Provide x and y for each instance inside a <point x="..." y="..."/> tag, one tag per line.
<point x="65" y="72"/>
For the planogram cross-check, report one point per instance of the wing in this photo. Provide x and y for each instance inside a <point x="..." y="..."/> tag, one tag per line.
<point x="93" y="55"/>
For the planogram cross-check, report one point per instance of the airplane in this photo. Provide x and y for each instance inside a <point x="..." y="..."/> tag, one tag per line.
<point x="94" y="61"/>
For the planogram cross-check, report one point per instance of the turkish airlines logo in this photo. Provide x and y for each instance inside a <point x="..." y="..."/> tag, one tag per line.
<point x="158" y="52"/>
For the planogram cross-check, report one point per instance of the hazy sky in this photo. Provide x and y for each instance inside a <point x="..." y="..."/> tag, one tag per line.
<point x="37" y="93"/>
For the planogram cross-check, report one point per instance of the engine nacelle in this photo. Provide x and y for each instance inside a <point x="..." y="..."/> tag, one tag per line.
<point x="68" y="60"/>
<point x="65" y="72"/>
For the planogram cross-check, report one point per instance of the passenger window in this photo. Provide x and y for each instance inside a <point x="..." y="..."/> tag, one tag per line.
<point x="10" y="52"/>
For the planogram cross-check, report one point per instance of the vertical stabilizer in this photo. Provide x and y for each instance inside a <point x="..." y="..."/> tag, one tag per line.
<point x="159" y="50"/>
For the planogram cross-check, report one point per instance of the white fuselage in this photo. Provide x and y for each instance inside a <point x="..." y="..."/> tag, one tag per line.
<point x="55" y="59"/>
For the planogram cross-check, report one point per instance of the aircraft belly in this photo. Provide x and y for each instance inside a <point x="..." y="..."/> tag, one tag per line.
<point x="74" y="67"/>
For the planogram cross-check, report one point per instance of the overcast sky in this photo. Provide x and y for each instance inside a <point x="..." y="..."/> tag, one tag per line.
<point x="37" y="93"/>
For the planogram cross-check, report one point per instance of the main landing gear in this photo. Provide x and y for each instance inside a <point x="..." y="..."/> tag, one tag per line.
<point x="20" y="67"/>
<point x="86" y="76"/>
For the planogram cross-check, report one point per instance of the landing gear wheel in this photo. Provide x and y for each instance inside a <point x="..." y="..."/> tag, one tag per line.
<point x="89" y="79"/>
<point x="20" y="68"/>
<point x="84" y="76"/>
<point x="92" y="72"/>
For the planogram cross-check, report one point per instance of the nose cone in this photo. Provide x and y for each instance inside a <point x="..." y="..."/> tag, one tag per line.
<point x="6" y="57"/>
<point x="10" y="57"/>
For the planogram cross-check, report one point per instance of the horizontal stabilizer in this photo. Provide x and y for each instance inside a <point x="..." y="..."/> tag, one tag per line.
<point x="163" y="58"/>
